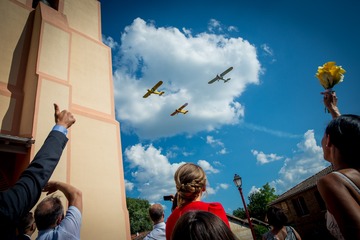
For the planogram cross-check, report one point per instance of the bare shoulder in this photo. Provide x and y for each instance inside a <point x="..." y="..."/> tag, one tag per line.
<point x="334" y="188"/>
<point x="330" y="180"/>
<point x="353" y="175"/>
<point x="331" y="184"/>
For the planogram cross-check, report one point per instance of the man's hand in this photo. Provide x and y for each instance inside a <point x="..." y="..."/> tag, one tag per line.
<point x="72" y="194"/>
<point x="63" y="118"/>
<point x="50" y="187"/>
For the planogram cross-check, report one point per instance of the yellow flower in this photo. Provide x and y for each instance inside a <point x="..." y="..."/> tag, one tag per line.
<point x="329" y="75"/>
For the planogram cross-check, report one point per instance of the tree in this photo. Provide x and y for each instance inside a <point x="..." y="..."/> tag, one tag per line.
<point x="258" y="202"/>
<point x="139" y="215"/>
<point x="240" y="213"/>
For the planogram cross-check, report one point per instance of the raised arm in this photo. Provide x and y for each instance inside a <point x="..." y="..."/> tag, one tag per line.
<point x="330" y="102"/>
<point x="72" y="194"/>
<point x="19" y="199"/>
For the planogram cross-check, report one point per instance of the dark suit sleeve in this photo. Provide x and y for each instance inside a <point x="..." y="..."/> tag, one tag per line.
<point x="20" y="198"/>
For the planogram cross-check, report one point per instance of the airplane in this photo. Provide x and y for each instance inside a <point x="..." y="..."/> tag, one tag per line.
<point x="153" y="90"/>
<point x="180" y="110"/>
<point x="221" y="76"/>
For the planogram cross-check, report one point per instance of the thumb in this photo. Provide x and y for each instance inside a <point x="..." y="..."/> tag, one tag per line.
<point x="56" y="108"/>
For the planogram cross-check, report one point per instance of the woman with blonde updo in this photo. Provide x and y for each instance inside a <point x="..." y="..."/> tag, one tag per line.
<point x="190" y="181"/>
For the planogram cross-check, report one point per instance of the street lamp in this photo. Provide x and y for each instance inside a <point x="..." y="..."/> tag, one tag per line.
<point x="238" y="183"/>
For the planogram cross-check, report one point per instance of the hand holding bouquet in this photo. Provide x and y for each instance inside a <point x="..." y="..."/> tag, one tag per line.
<point x="329" y="75"/>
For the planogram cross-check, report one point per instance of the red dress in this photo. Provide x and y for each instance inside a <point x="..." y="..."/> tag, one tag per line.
<point x="215" y="208"/>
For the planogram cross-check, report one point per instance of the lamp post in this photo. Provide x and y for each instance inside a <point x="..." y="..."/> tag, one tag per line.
<point x="238" y="183"/>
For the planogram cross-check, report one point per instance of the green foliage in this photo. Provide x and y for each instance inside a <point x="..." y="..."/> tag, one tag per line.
<point x="240" y="213"/>
<point x="259" y="231"/>
<point x="258" y="201"/>
<point x="139" y="215"/>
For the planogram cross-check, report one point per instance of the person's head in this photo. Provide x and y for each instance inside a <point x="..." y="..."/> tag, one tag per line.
<point x="343" y="132"/>
<point x="156" y="212"/>
<point x="190" y="181"/>
<point x="49" y="213"/>
<point x="201" y="225"/>
<point x="27" y="224"/>
<point x="276" y="217"/>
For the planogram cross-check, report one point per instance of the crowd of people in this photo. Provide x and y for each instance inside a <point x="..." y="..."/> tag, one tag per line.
<point x="191" y="218"/>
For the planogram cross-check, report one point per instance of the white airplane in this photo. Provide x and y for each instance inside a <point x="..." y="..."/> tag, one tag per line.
<point x="221" y="76"/>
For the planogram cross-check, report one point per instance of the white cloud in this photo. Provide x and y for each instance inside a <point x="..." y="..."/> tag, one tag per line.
<point x="187" y="32"/>
<point x="110" y="42"/>
<point x="174" y="151"/>
<point x="214" y="25"/>
<point x="153" y="175"/>
<point x="185" y="64"/>
<point x="307" y="161"/>
<point x="151" y="171"/>
<point x="222" y="151"/>
<point x="268" y="52"/>
<point x="262" y="158"/>
<point x="267" y="49"/>
<point x="217" y="163"/>
<point x="224" y="185"/>
<point x="213" y="142"/>
<point x="210" y="140"/>
<point x="207" y="167"/>
<point x="209" y="191"/>
<point x="254" y="190"/>
<point x="232" y="29"/>
<point x="187" y="154"/>
<point x="129" y="186"/>
<point x="212" y="191"/>
<point x="216" y="142"/>
<point x="270" y="131"/>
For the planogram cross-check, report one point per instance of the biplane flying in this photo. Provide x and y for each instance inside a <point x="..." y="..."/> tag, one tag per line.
<point x="154" y="91"/>
<point x="221" y="76"/>
<point x="180" y="110"/>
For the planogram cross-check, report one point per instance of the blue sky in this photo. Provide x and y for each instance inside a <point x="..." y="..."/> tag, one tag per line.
<point x="265" y="124"/>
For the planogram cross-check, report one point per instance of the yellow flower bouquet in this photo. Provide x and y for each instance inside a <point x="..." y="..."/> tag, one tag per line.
<point x="329" y="75"/>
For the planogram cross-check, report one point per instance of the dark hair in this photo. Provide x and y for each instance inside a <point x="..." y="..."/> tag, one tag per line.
<point x="344" y="132"/>
<point x="276" y="217"/>
<point x="156" y="212"/>
<point x="26" y="222"/>
<point x="201" y="225"/>
<point x="47" y="212"/>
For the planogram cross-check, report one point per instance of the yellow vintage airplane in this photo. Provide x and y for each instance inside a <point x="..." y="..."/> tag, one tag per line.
<point x="154" y="91"/>
<point x="221" y="76"/>
<point x="180" y="110"/>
